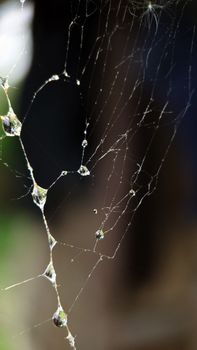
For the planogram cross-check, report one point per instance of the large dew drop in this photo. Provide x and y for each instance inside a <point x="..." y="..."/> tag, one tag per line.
<point x="60" y="318"/>
<point x="99" y="234"/>
<point x="11" y="124"/>
<point x="39" y="196"/>
<point x="50" y="273"/>
<point x="83" y="171"/>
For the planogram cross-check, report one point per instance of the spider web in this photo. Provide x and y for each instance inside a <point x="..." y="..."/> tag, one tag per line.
<point x="120" y="69"/>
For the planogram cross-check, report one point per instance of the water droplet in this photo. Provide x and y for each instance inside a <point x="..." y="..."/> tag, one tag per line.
<point x="4" y="83"/>
<point x="78" y="82"/>
<point x="66" y="74"/>
<point x="50" y="273"/>
<point x="64" y="173"/>
<point x="99" y="234"/>
<point x="55" y="77"/>
<point x="52" y="241"/>
<point x="84" y="143"/>
<point x="39" y="196"/>
<point x="60" y="317"/>
<point x="83" y="171"/>
<point x="132" y="192"/>
<point x="71" y="340"/>
<point x="11" y="124"/>
<point x="95" y="211"/>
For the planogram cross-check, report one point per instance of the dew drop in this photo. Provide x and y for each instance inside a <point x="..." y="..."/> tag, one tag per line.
<point x="132" y="192"/>
<point x="4" y="83"/>
<point x="99" y="234"/>
<point x="66" y="74"/>
<point x="60" y="317"/>
<point x="39" y="196"/>
<point x="64" y="173"/>
<point x="83" y="171"/>
<point x="84" y="143"/>
<point x="52" y="242"/>
<point x="50" y="273"/>
<point x="55" y="77"/>
<point x="95" y="211"/>
<point x="71" y="340"/>
<point x="11" y="124"/>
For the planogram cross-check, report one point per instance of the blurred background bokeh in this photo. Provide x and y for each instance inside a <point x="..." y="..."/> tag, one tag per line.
<point x="145" y="299"/>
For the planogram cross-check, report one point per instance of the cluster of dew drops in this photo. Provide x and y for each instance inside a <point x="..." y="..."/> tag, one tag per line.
<point x="12" y="127"/>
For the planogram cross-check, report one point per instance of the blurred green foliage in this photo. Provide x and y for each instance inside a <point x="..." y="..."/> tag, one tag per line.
<point x="4" y="342"/>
